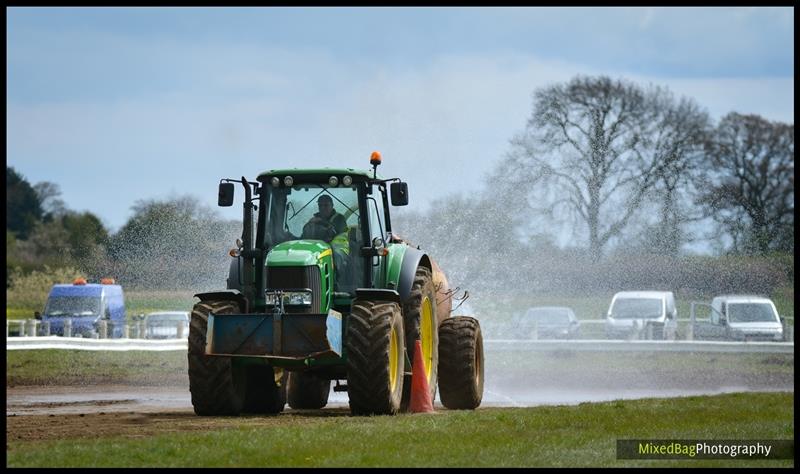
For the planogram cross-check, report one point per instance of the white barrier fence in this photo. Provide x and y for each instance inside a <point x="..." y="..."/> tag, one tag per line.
<point x="85" y="344"/>
<point x="105" y="329"/>
<point x="584" y="345"/>
<point x="523" y="345"/>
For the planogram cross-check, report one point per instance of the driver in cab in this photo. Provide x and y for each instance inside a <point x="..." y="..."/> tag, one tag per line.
<point x="325" y="224"/>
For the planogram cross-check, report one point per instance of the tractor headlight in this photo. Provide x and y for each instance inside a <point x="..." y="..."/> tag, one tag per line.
<point x="333" y="181"/>
<point x="347" y="180"/>
<point x="300" y="298"/>
<point x="289" y="298"/>
<point x="288" y="181"/>
<point x="275" y="181"/>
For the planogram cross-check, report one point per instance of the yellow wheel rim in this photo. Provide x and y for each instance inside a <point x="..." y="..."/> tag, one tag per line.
<point x="426" y="334"/>
<point x="393" y="345"/>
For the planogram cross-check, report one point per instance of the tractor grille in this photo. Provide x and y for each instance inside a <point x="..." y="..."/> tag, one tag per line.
<point x="280" y="278"/>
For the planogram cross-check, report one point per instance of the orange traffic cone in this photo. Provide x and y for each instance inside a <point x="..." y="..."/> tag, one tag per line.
<point x="421" y="401"/>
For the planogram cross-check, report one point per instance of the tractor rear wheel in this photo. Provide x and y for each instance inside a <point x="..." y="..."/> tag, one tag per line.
<point x="265" y="394"/>
<point x="461" y="363"/>
<point x="420" y="323"/>
<point x="307" y="391"/>
<point x="217" y="386"/>
<point x="375" y="363"/>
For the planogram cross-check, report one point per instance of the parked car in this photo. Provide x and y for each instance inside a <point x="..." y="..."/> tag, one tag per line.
<point x="739" y="317"/>
<point x="648" y="314"/>
<point x="549" y="322"/>
<point x="167" y="324"/>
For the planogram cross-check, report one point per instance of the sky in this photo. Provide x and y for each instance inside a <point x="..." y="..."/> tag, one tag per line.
<point x="117" y="105"/>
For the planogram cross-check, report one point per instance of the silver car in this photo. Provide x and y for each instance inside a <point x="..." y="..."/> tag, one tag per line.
<point x="549" y="322"/>
<point x="167" y="324"/>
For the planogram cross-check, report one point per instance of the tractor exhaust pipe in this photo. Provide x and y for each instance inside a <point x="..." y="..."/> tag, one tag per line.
<point x="248" y="282"/>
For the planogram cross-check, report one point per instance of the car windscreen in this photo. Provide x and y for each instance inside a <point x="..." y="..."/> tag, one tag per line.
<point x="546" y="316"/>
<point x="72" y="306"/>
<point x="751" y="313"/>
<point x="635" y="308"/>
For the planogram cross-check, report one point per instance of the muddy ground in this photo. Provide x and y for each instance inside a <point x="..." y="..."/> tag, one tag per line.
<point x="109" y="408"/>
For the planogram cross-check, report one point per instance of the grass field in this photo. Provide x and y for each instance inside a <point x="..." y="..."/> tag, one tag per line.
<point x="556" y="436"/>
<point x="548" y="436"/>
<point x="75" y="367"/>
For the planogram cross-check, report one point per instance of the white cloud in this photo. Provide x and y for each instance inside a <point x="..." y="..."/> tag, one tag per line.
<point x="441" y="126"/>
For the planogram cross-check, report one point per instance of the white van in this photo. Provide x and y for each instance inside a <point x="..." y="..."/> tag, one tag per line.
<point x="643" y="313"/>
<point x="747" y="317"/>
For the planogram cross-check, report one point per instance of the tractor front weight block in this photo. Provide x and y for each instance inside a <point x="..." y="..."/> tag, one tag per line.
<point x="294" y="336"/>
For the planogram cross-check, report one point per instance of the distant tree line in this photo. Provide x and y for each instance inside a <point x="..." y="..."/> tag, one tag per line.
<point x="606" y="169"/>
<point x="168" y="244"/>
<point x="603" y="169"/>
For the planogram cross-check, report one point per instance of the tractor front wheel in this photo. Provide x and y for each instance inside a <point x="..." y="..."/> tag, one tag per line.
<point x="375" y="363"/>
<point x="218" y="387"/>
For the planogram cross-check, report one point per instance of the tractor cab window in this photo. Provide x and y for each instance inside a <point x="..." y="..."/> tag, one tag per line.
<point x="320" y="212"/>
<point x="377" y="229"/>
<point x="312" y="212"/>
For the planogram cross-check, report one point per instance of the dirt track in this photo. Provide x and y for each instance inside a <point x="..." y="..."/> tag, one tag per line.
<point x="121" y="411"/>
<point x="105" y="407"/>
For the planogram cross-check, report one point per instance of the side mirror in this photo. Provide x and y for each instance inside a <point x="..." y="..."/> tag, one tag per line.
<point x="399" y="194"/>
<point x="225" y="197"/>
<point x="37" y="315"/>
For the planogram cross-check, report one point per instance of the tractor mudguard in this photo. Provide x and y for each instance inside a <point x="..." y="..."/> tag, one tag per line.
<point x="231" y="294"/>
<point x="412" y="258"/>
<point x="374" y="294"/>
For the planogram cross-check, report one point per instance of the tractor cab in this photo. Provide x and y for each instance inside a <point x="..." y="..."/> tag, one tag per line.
<point x="306" y="215"/>
<point x="322" y="212"/>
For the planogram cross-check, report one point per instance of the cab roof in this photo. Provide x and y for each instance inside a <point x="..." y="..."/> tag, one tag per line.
<point x="743" y="298"/>
<point x="314" y="173"/>
<point x="642" y="294"/>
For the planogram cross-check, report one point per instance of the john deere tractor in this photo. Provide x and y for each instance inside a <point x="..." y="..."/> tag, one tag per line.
<point x="312" y="300"/>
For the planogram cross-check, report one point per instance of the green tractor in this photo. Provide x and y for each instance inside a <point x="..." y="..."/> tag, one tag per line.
<point x="334" y="295"/>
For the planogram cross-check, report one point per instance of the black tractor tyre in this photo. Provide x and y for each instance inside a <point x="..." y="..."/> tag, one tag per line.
<point x="423" y="293"/>
<point x="217" y="386"/>
<point x="307" y="391"/>
<point x="375" y="343"/>
<point x="460" y="363"/>
<point x="263" y="393"/>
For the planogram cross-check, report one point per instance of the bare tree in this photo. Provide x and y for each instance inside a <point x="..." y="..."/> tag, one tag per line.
<point x="678" y="141"/>
<point x="749" y="190"/>
<point x="594" y="148"/>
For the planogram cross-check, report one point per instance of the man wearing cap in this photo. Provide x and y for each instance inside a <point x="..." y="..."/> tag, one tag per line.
<point x="326" y="223"/>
